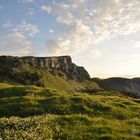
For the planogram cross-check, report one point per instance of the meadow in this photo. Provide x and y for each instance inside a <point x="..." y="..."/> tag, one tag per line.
<point x="31" y="112"/>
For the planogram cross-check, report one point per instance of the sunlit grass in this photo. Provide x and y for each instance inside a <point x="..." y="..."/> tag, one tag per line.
<point x="104" y="115"/>
<point x="69" y="127"/>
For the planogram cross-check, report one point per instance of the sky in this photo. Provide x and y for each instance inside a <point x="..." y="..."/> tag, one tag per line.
<point x="101" y="35"/>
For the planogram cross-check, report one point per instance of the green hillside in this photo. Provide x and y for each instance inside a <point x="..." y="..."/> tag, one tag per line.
<point x="19" y="100"/>
<point x="28" y="75"/>
<point x="104" y="115"/>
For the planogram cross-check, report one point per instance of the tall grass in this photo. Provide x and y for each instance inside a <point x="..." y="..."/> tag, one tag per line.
<point x="69" y="127"/>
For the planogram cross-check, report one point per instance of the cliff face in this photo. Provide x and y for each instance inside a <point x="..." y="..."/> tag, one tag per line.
<point x="61" y="66"/>
<point x="129" y="86"/>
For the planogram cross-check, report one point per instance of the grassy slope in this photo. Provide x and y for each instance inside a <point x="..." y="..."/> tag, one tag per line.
<point x="69" y="127"/>
<point x="71" y="115"/>
<point x="29" y="75"/>
<point x="55" y="82"/>
<point x="30" y="100"/>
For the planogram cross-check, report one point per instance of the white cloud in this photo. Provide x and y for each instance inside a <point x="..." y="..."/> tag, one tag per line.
<point x="75" y="41"/>
<point x="51" y="30"/>
<point x="15" y="44"/>
<point x="27" y="1"/>
<point x="102" y="20"/>
<point x="137" y="44"/>
<point x="95" y="54"/>
<point x="8" y="24"/>
<point x="46" y="8"/>
<point x="27" y="29"/>
<point x="117" y="1"/>
<point x="31" y="13"/>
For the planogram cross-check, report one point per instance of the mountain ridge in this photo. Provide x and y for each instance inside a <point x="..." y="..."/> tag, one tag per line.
<point x="57" y="65"/>
<point x="61" y="73"/>
<point x="126" y="85"/>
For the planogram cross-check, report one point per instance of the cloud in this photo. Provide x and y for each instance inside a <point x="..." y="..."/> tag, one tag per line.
<point x="51" y="31"/>
<point x="46" y="8"/>
<point x="96" y="22"/>
<point x="31" y="13"/>
<point x="27" y="1"/>
<point x="95" y="54"/>
<point x="75" y="41"/>
<point x="27" y="29"/>
<point x="8" y="24"/>
<point x="15" y="44"/>
<point x="137" y="44"/>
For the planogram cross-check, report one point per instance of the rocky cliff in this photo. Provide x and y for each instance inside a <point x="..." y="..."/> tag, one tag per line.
<point x="62" y="66"/>
<point x="128" y="86"/>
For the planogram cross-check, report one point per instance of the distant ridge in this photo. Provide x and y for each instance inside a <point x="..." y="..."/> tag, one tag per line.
<point x="129" y="86"/>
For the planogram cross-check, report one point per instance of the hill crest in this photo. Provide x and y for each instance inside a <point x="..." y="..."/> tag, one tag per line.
<point x="56" y="65"/>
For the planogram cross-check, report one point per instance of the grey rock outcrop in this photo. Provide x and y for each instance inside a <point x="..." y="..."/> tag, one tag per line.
<point x="61" y="65"/>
